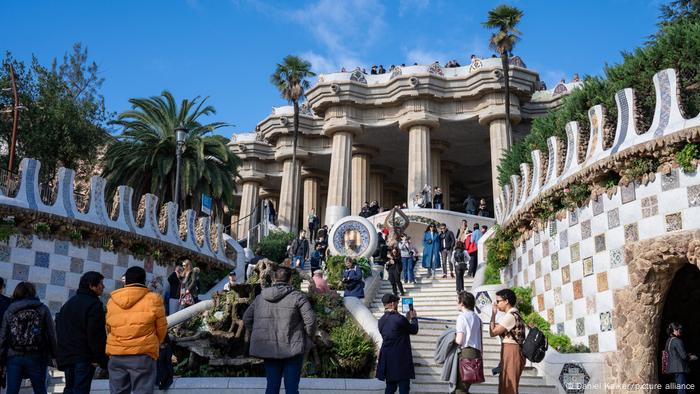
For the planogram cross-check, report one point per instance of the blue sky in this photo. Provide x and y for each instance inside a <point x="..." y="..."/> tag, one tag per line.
<point x="226" y="49"/>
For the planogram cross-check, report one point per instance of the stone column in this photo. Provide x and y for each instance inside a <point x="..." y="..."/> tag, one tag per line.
<point x="234" y="226"/>
<point x="339" y="175"/>
<point x="376" y="188"/>
<point x="311" y="197"/>
<point x="287" y="214"/>
<point x="448" y="168"/>
<point x="498" y="133"/>
<point x="418" y="160"/>
<point x="361" y="155"/>
<point x="249" y="198"/>
<point x="436" y="149"/>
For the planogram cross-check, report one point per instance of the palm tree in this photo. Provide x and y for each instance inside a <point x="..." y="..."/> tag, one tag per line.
<point x="504" y="18"/>
<point x="290" y="78"/>
<point x="143" y="156"/>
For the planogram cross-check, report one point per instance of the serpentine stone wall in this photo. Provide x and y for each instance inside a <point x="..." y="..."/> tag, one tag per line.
<point x="600" y="273"/>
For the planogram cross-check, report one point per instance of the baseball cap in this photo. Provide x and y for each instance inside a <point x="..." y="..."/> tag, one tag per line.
<point x="389" y="298"/>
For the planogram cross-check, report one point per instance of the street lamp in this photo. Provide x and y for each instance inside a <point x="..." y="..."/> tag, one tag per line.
<point x="180" y="136"/>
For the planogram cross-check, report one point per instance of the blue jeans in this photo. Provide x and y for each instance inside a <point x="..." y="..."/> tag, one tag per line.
<point x="437" y="206"/>
<point x="289" y="368"/>
<point x="408" y="264"/>
<point x="79" y="378"/>
<point x="404" y="387"/>
<point x="681" y="379"/>
<point x="298" y="261"/>
<point x="31" y="366"/>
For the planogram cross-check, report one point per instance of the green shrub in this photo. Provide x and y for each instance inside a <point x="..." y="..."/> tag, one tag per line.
<point x="492" y="275"/>
<point x="42" y="228"/>
<point x="274" y="246"/>
<point x="7" y="229"/>
<point x="352" y="347"/>
<point x="524" y="296"/>
<point x="639" y="166"/>
<point x="498" y="250"/>
<point x="575" y="194"/>
<point x="686" y="156"/>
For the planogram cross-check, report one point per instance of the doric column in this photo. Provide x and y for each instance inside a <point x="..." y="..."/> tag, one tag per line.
<point x="312" y="189"/>
<point x="436" y="149"/>
<point x="377" y="178"/>
<point x="249" y="198"/>
<point x="234" y="226"/>
<point x="338" y="205"/>
<point x="498" y="133"/>
<point x="361" y="155"/>
<point x="418" y="160"/>
<point x="287" y="213"/>
<point x="446" y="176"/>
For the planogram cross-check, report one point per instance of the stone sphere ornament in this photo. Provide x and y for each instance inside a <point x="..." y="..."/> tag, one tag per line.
<point x="353" y="236"/>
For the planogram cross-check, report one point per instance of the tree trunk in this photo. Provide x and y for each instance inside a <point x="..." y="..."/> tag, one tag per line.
<point x="295" y="186"/>
<point x="506" y="80"/>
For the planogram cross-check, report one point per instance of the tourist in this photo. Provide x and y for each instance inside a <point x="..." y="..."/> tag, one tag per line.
<point x="174" y="285"/>
<point x="473" y="248"/>
<point x="281" y="322"/>
<point x="394" y="267"/>
<point x="271" y="213"/>
<point x="136" y="326"/>
<point x="320" y="283"/>
<point x="156" y="285"/>
<point x="511" y="329"/>
<point x="677" y="357"/>
<point x="249" y="265"/>
<point x="232" y="281"/>
<point x="431" y="250"/>
<point x="426" y="196"/>
<point x="373" y="70"/>
<point x="470" y="205"/>
<point x="323" y="243"/>
<point x="299" y="250"/>
<point x="27" y="350"/>
<point x="462" y="231"/>
<point x="437" y="199"/>
<point x="408" y="259"/>
<point x="316" y="257"/>
<point x="418" y="201"/>
<point x="323" y="232"/>
<point x="364" y="211"/>
<point x="189" y="294"/>
<point x="313" y="223"/>
<point x="483" y="209"/>
<point x="447" y="243"/>
<point x="469" y="334"/>
<point x="373" y="207"/>
<point x="460" y="259"/>
<point x="484" y="229"/>
<point x="353" y="279"/>
<point x="576" y="78"/>
<point x="381" y="70"/>
<point x="395" y="363"/>
<point x="5" y="301"/>
<point x="473" y="58"/>
<point x="81" y="335"/>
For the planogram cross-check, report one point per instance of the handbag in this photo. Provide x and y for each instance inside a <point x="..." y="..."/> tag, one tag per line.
<point x="187" y="299"/>
<point x="471" y="370"/>
<point x="664" y="358"/>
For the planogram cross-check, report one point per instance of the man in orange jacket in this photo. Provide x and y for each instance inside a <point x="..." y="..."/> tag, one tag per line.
<point x="136" y="326"/>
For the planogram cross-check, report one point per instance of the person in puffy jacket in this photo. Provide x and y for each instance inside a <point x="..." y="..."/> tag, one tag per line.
<point x="136" y="326"/>
<point x="282" y="322"/>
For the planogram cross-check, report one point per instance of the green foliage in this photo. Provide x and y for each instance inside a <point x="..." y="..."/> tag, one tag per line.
<point x="351" y="346"/>
<point x="274" y="246"/>
<point x="209" y="276"/>
<point x="7" y="228"/>
<point x="686" y="157"/>
<point x="524" y="296"/>
<point x="575" y="194"/>
<point x="75" y="235"/>
<point x="499" y="248"/>
<point x="42" y="228"/>
<point x="639" y="166"/>
<point x="63" y="123"/>
<point x="676" y="45"/>
<point x="492" y="275"/>
<point x="611" y="179"/>
<point x="329" y="309"/>
<point x="335" y="266"/>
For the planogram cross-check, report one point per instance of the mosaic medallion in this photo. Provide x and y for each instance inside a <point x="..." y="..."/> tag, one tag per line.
<point x="353" y="236"/>
<point x="483" y="301"/>
<point x="573" y="378"/>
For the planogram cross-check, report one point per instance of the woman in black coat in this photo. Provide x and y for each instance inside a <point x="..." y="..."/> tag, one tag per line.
<point x="395" y="364"/>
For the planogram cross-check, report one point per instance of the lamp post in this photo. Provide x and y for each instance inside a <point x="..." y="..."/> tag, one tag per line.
<point x="180" y="136"/>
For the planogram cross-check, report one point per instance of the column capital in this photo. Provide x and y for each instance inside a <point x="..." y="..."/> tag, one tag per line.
<point x="313" y="173"/>
<point x="286" y="153"/>
<point x="439" y="145"/>
<point x="334" y="125"/>
<point x="418" y="119"/>
<point x="268" y="194"/>
<point x="365" y="150"/>
<point x="250" y="176"/>
<point x="381" y="170"/>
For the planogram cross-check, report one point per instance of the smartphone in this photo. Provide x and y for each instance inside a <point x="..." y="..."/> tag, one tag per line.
<point x="406" y="304"/>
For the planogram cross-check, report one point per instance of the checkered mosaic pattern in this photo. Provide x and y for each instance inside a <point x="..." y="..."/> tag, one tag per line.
<point x="575" y="264"/>
<point x="55" y="267"/>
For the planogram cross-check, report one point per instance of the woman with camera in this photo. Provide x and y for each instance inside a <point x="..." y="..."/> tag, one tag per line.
<point x="408" y="259"/>
<point x="352" y="279"/>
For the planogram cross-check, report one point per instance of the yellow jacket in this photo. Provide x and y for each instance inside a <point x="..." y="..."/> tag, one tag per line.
<point x="136" y="322"/>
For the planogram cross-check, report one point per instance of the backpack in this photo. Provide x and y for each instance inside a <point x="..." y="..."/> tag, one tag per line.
<point x="459" y="257"/>
<point x="26" y="330"/>
<point x="665" y="356"/>
<point x="535" y="345"/>
<point x="518" y="332"/>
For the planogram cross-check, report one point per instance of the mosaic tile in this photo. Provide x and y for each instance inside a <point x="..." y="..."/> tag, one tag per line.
<point x="627" y="193"/>
<point x="24" y="241"/>
<point x="557" y="296"/>
<point x="545" y="248"/>
<point x="526" y="276"/>
<point x="573" y="217"/>
<point x="522" y="248"/>
<point x="538" y="269"/>
<point x="650" y="206"/>
<point x="107" y="271"/>
<point x="55" y="306"/>
<point x="555" y="261"/>
<point x="483" y="300"/>
<point x="694" y="196"/>
<point x="58" y="278"/>
<point x="585" y="229"/>
<point x="580" y="327"/>
<point x="537" y="237"/>
<point x="590" y="304"/>
<point x="520" y="264"/>
<point x="540" y="302"/>
<point x="569" y="310"/>
<point x="20" y="272"/>
<point x="550" y="316"/>
<point x="41" y="259"/>
<point x="597" y="205"/>
<point x="530" y="257"/>
<point x="40" y="290"/>
<point x="602" y="279"/>
<point x="631" y="232"/>
<point x="606" y="321"/>
<point x="617" y="258"/>
<point x="148" y="264"/>
<point x="60" y="247"/>
<point x="593" y="343"/>
<point x="547" y="282"/>
<point x="5" y="253"/>
<point x="588" y="266"/>
<point x="76" y="265"/>
<point x="560" y="328"/>
<point x="575" y="251"/>
<point x="93" y="254"/>
<point x="563" y="239"/>
<point x="670" y="181"/>
<point x="122" y="259"/>
<point x="674" y="222"/>
<point x="565" y="274"/>
<point x="613" y="218"/>
<point x="600" y="242"/>
<point x="578" y="289"/>
<point x="552" y="228"/>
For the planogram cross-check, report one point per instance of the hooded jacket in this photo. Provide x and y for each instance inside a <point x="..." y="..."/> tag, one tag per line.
<point x="80" y="328"/>
<point x="281" y="321"/>
<point x="47" y="325"/>
<point x="136" y="323"/>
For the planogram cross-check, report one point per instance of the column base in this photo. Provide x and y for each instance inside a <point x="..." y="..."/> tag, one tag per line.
<point x="335" y="213"/>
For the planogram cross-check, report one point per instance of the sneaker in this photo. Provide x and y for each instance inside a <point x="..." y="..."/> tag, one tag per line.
<point x="452" y="275"/>
<point x="444" y="276"/>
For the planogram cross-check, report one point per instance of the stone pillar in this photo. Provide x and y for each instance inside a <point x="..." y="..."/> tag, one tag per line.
<point x="498" y="133"/>
<point x="361" y="155"/>
<point x="339" y="175"/>
<point x="234" y="226"/>
<point x="311" y="198"/>
<point x="418" y="160"/>
<point x="376" y="188"/>
<point x="323" y="200"/>
<point x="287" y="214"/>
<point x="448" y="168"/>
<point x="249" y="198"/>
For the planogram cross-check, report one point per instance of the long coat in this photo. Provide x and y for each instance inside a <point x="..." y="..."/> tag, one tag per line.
<point x="395" y="357"/>
<point x="431" y="249"/>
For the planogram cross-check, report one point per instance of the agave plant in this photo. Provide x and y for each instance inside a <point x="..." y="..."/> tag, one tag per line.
<point x="143" y="156"/>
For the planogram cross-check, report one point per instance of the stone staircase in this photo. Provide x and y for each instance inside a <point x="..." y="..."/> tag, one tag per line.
<point x="437" y="299"/>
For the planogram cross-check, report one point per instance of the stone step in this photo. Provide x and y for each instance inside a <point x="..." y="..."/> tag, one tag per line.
<point x="430" y="353"/>
<point x="422" y="343"/>
<point x="525" y="381"/>
<point x="448" y="291"/>
<point x="421" y="388"/>
<point x="426" y="283"/>
<point x="436" y="371"/>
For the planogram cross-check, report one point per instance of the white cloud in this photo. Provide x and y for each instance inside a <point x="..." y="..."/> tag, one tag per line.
<point x="406" y="6"/>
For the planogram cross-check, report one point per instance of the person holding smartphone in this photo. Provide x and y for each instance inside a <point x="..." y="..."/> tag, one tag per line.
<point x="395" y="363"/>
